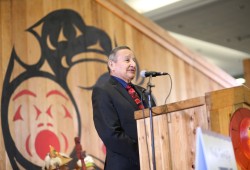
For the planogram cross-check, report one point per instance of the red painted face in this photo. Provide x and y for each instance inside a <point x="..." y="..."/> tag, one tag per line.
<point x="240" y="135"/>
<point x="41" y="110"/>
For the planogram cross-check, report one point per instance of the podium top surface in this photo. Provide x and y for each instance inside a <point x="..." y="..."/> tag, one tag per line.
<point x="172" y="107"/>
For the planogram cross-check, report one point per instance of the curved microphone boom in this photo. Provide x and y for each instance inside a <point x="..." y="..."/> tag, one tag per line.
<point x="145" y="73"/>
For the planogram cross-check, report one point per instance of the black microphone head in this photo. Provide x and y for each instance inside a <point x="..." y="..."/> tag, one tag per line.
<point x="145" y="73"/>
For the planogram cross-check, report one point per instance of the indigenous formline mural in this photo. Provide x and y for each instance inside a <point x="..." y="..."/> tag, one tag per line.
<point x="40" y="92"/>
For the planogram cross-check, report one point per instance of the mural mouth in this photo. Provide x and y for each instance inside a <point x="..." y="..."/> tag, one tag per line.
<point x="43" y="140"/>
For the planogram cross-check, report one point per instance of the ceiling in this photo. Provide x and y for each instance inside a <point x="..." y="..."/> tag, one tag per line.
<point x="219" y="30"/>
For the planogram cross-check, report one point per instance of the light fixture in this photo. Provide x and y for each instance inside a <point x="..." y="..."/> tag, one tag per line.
<point x="240" y="81"/>
<point x="143" y="6"/>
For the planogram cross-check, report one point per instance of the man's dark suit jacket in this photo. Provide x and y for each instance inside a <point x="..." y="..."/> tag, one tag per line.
<point x="114" y="121"/>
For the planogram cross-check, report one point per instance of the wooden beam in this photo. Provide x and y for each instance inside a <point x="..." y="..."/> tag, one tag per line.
<point x="246" y="64"/>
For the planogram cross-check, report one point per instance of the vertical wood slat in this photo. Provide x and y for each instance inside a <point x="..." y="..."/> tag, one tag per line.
<point x="5" y="38"/>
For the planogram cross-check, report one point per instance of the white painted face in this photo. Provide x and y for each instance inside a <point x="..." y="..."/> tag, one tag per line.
<point x="37" y="119"/>
<point x="124" y="67"/>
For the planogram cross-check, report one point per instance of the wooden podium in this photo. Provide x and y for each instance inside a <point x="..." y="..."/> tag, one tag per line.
<point x="175" y="126"/>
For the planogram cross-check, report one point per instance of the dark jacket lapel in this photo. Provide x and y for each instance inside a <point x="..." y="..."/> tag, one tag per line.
<point x="123" y="91"/>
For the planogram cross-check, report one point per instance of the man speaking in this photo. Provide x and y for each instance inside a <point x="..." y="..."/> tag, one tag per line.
<point x="114" y="104"/>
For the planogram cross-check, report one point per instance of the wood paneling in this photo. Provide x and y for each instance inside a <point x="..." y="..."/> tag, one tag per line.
<point x="174" y="134"/>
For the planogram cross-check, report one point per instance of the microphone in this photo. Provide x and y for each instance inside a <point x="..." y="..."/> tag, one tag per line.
<point x="145" y="73"/>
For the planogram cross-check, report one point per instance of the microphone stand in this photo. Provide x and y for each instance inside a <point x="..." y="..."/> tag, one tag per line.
<point x="148" y="92"/>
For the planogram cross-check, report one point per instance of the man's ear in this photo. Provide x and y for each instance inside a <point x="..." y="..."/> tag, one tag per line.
<point x="110" y="64"/>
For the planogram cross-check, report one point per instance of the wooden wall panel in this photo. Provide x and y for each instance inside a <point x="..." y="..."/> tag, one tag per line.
<point x="28" y="62"/>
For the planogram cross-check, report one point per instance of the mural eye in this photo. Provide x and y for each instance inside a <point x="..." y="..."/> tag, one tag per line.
<point x="38" y="112"/>
<point x="78" y="32"/>
<point x="50" y="45"/>
<point x="17" y="115"/>
<point x="67" y="113"/>
<point x="49" y="111"/>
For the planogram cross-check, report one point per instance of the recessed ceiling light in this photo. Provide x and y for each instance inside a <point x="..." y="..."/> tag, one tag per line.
<point x="143" y="6"/>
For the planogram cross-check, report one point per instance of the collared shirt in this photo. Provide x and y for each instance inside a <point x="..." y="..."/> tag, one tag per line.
<point x="122" y="82"/>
